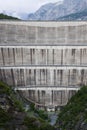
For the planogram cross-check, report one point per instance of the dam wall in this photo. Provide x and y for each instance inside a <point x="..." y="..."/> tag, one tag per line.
<point x="43" y="55"/>
<point x="45" y="61"/>
<point x="43" y="33"/>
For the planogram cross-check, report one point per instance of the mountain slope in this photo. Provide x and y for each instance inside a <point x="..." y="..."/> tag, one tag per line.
<point x="41" y="13"/>
<point x="53" y="11"/>
<point x="74" y="115"/>
<point x="3" y="16"/>
<point x="13" y="113"/>
<point x="75" y="16"/>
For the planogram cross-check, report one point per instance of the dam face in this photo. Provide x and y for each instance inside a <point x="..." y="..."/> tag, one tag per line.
<point x="45" y="61"/>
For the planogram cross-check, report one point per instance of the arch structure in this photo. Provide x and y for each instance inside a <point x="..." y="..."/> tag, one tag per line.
<point x="45" y="61"/>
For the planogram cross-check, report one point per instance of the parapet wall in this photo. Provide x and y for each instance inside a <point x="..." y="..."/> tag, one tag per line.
<point x="46" y="60"/>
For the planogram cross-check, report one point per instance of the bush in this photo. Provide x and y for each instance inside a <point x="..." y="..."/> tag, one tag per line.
<point x="32" y="106"/>
<point x="42" y="114"/>
<point x="46" y="127"/>
<point x="4" y="117"/>
<point x="30" y="122"/>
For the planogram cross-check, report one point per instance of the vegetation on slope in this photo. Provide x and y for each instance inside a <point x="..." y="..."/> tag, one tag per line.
<point x="4" y="117"/>
<point x="13" y="115"/>
<point x="3" y="16"/>
<point x="74" y="115"/>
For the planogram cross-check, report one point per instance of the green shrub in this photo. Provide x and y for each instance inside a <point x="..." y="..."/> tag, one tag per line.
<point x="46" y="127"/>
<point x="30" y="122"/>
<point x="4" y="117"/>
<point x="74" y="111"/>
<point x="42" y="114"/>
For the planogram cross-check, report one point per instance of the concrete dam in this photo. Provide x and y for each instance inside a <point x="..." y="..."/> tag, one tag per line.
<point x="45" y="61"/>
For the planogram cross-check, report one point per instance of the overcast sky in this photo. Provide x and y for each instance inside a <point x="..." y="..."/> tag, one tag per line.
<point x="22" y="5"/>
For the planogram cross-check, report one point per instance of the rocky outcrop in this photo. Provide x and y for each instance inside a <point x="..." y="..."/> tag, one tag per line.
<point x="53" y="11"/>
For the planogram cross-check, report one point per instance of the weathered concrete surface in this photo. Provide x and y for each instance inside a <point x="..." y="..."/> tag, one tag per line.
<point x="44" y="55"/>
<point x="25" y="33"/>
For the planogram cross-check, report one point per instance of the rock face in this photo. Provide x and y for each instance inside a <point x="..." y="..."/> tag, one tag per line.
<point x="53" y="11"/>
<point x="74" y="16"/>
<point x="46" y="60"/>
